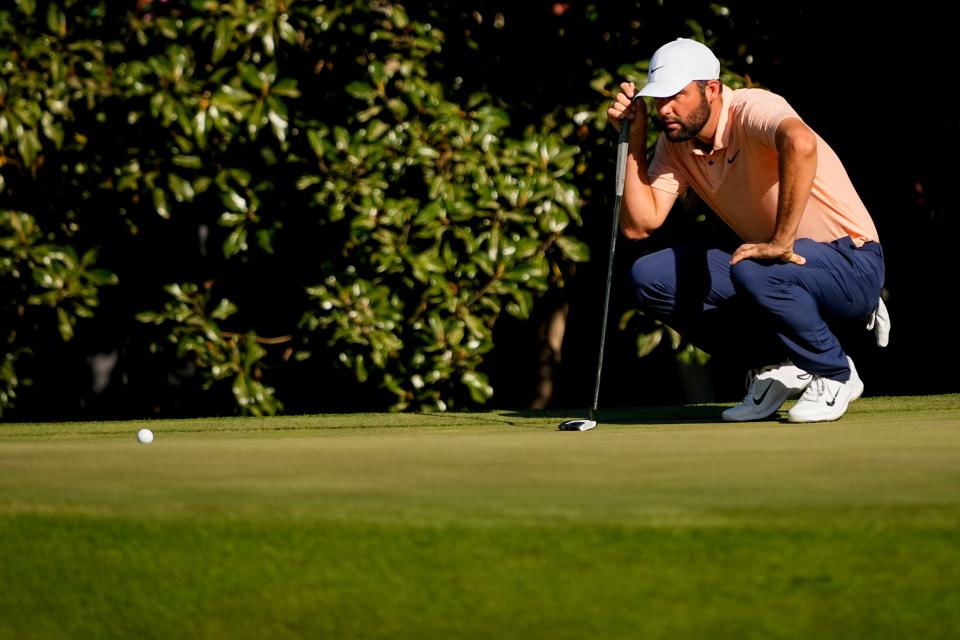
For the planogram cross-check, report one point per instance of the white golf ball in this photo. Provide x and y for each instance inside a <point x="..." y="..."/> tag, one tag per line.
<point x="144" y="436"/>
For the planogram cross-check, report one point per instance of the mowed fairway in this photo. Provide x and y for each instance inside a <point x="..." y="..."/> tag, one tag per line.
<point x="658" y="524"/>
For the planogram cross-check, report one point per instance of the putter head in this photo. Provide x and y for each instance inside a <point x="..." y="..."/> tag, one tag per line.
<point x="578" y="425"/>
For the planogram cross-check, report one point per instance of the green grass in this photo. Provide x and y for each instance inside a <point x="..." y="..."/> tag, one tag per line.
<point x="659" y="524"/>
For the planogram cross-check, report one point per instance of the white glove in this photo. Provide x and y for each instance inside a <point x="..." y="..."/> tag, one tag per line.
<point x="879" y="322"/>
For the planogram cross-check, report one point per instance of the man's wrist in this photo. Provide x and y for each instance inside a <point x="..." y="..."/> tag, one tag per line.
<point x="780" y="243"/>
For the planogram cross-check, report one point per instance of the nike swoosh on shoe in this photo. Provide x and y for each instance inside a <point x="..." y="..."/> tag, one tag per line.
<point x="757" y="401"/>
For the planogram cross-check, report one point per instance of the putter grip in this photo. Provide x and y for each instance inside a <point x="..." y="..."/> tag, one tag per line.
<point x="622" y="155"/>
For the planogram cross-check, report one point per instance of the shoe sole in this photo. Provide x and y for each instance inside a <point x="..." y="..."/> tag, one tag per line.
<point x="752" y="418"/>
<point x="790" y="393"/>
<point x="836" y="414"/>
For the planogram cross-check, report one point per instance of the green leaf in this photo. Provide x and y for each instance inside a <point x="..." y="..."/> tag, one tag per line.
<point x="52" y="129"/>
<point x="573" y="249"/>
<point x="182" y="189"/>
<point x="188" y="162"/>
<point x="27" y="6"/>
<point x="522" y="304"/>
<point x="265" y="240"/>
<point x="554" y="218"/>
<point x="224" y="310"/>
<point x="361" y="91"/>
<point x="64" y="324"/>
<point x="235" y="243"/>
<point x="160" y="203"/>
<point x="103" y="277"/>
<point x="478" y="385"/>
<point x="255" y="119"/>
<point x="149" y="317"/>
<point x="252" y="78"/>
<point x="233" y="200"/>
<point x="56" y="20"/>
<point x="427" y="152"/>
<point x="224" y="35"/>
<point x="647" y="342"/>
<point x="315" y="138"/>
<point x="477" y="329"/>
<point x="285" y="87"/>
<point x="167" y="27"/>
<point x="29" y="147"/>
<point x="367" y="114"/>
<point x="278" y="122"/>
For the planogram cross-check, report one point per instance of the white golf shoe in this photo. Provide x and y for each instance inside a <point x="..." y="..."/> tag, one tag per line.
<point x="767" y="390"/>
<point x="825" y="399"/>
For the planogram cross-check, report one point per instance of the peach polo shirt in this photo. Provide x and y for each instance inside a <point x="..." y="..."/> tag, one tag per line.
<point x="739" y="177"/>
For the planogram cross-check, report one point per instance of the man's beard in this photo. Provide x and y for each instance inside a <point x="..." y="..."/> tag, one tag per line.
<point x="692" y="126"/>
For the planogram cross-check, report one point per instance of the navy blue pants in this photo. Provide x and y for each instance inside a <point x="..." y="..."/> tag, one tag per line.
<point x="763" y="311"/>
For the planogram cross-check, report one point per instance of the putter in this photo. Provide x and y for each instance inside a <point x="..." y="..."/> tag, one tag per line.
<point x="589" y="423"/>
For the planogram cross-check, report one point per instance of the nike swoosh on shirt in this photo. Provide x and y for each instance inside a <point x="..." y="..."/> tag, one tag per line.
<point x="734" y="156"/>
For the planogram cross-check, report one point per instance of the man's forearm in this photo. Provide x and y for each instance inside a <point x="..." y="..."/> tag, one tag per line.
<point x="797" y="166"/>
<point x="639" y="216"/>
<point x="797" y="149"/>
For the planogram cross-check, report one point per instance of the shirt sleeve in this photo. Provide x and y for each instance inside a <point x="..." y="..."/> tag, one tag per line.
<point x="761" y="113"/>
<point x="664" y="173"/>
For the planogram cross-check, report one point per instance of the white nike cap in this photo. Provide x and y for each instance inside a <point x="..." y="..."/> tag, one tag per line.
<point x="678" y="63"/>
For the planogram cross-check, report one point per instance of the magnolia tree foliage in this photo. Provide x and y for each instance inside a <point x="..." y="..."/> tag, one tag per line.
<point x="309" y="142"/>
<point x="290" y="188"/>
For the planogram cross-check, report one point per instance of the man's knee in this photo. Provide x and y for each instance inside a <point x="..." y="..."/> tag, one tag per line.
<point x="749" y="277"/>
<point x="649" y="280"/>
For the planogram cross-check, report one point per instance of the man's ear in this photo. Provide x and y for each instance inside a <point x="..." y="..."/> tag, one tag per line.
<point x="714" y="89"/>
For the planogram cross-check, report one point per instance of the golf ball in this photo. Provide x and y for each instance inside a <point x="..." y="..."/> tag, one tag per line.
<point x="144" y="436"/>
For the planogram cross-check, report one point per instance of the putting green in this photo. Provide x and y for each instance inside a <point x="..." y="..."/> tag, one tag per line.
<point x="659" y="523"/>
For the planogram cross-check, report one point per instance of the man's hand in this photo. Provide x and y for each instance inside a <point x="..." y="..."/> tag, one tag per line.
<point x="766" y="251"/>
<point x="626" y="108"/>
